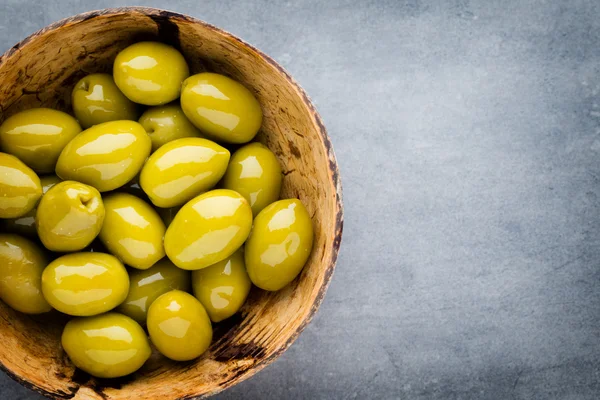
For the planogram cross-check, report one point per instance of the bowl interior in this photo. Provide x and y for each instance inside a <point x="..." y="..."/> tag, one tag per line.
<point x="41" y="71"/>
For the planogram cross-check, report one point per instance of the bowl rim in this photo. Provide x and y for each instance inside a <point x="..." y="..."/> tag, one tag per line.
<point x="332" y="167"/>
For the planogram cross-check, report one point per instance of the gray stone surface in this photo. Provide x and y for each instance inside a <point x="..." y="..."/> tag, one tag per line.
<point x="468" y="135"/>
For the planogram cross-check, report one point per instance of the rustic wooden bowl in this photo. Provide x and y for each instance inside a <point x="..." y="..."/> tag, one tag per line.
<point x="41" y="71"/>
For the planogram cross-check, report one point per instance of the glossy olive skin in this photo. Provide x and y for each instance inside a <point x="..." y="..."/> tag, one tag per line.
<point x="254" y="172"/>
<point x="37" y="136"/>
<point x="223" y="287"/>
<point x="221" y="221"/>
<point x="182" y="169"/>
<point x="179" y="326"/>
<point x="21" y="266"/>
<point x="110" y="345"/>
<point x="223" y="109"/>
<point x="97" y="99"/>
<point x="132" y="230"/>
<point x="25" y="225"/>
<point x="150" y="73"/>
<point x="146" y="286"/>
<point x="279" y="244"/>
<point x="20" y="187"/>
<point x="167" y="123"/>
<point x="105" y="156"/>
<point x="69" y="216"/>
<point x="85" y="284"/>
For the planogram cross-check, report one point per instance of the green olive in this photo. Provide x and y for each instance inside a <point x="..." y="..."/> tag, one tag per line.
<point x="221" y="108"/>
<point x="106" y="156"/>
<point x="208" y="229"/>
<point x="254" y="172"/>
<point x="84" y="284"/>
<point x="223" y="287"/>
<point x="179" y="326"/>
<point x="150" y="73"/>
<point x="167" y="123"/>
<point x="279" y="244"/>
<point x="182" y="169"/>
<point x="69" y="216"/>
<point x="96" y="99"/>
<point x="25" y="225"/>
<point x="21" y="266"/>
<point x="168" y="214"/>
<point x="106" y="346"/>
<point x="146" y="286"/>
<point x="132" y="230"/>
<point x="20" y="187"/>
<point x="37" y="136"/>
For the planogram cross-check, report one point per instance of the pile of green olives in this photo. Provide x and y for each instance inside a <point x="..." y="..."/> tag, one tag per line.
<point x="132" y="216"/>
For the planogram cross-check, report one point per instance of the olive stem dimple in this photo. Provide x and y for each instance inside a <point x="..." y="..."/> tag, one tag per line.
<point x="87" y="201"/>
<point x="148" y="127"/>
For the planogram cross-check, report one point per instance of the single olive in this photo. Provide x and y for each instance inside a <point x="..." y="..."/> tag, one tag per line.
<point x="147" y="285"/>
<point x="25" y="225"/>
<point x="208" y="229"/>
<point x="21" y="266"/>
<point x="223" y="287"/>
<point x="254" y="172"/>
<point x="167" y="123"/>
<point x="132" y="230"/>
<point x="182" y="169"/>
<point x="106" y="156"/>
<point x="20" y="187"/>
<point x="110" y="345"/>
<point x="221" y="108"/>
<point x="84" y="284"/>
<point x="37" y="136"/>
<point x="168" y="214"/>
<point x="69" y="216"/>
<point x="150" y="73"/>
<point x="279" y="244"/>
<point x="96" y="99"/>
<point x="179" y="326"/>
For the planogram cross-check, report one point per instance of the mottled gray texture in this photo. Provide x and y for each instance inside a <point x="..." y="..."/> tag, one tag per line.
<point x="468" y="136"/>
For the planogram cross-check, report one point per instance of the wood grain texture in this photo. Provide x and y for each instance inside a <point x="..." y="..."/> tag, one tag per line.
<point x="41" y="71"/>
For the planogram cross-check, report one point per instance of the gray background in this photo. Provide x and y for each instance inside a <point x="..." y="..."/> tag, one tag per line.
<point x="468" y="136"/>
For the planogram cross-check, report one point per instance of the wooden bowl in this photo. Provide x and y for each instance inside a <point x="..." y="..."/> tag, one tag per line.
<point x="41" y="71"/>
